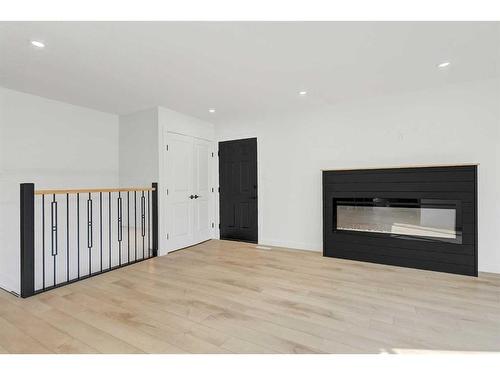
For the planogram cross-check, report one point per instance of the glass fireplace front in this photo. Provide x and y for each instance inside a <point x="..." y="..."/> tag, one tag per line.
<point x="426" y="219"/>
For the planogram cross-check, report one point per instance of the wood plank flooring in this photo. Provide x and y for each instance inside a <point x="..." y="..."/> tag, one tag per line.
<point x="228" y="297"/>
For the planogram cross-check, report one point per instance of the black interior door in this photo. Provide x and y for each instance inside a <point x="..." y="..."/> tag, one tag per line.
<point x="238" y="190"/>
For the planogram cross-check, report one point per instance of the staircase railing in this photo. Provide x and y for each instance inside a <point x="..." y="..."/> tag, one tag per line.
<point x="73" y="234"/>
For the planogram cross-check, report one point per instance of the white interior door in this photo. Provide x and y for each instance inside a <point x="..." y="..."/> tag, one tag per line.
<point x="189" y="211"/>
<point x="202" y="212"/>
<point x="180" y="222"/>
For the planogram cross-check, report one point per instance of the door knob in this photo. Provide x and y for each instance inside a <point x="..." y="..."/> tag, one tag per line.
<point x="191" y="196"/>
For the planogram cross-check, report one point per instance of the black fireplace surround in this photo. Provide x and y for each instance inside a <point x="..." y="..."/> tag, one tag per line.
<point x="420" y="217"/>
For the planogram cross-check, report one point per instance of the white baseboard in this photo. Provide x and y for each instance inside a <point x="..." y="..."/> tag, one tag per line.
<point x="291" y="244"/>
<point x="9" y="284"/>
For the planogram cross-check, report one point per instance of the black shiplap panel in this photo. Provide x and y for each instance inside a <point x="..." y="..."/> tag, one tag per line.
<point x="395" y="178"/>
<point x="457" y="186"/>
<point x="402" y="252"/>
<point x="398" y="176"/>
<point x="452" y="183"/>
<point x="465" y="197"/>
<point x="383" y="241"/>
<point x="468" y="270"/>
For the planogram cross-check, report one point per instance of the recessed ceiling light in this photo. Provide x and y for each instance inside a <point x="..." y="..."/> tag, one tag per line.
<point x="302" y="93"/>
<point x="444" y="64"/>
<point x="211" y="110"/>
<point x="37" y="44"/>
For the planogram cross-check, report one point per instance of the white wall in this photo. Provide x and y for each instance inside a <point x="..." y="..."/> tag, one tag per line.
<point x="456" y="124"/>
<point x="176" y="122"/>
<point x="54" y="145"/>
<point x="138" y="144"/>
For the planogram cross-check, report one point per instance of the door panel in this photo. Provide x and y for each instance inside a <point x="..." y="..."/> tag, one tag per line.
<point x="180" y="185"/>
<point x="245" y="177"/>
<point x="238" y="190"/>
<point x="181" y="223"/>
<point x="244" y="215"/>
<point x="181" y="153"/>
<point x="202" y="214"/>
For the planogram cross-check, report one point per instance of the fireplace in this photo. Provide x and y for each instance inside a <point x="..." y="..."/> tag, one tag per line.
<point x="425" y="219"/>
<point x="414" y="217"/>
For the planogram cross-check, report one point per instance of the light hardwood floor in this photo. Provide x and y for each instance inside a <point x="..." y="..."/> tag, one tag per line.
<point x="228" y="297"/>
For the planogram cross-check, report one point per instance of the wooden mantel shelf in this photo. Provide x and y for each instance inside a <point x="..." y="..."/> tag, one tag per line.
<point x="404" y="166"/>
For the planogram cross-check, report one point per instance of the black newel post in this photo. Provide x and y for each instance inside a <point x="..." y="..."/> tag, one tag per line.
<point x="27" y="240"/>
<point x="155" y="218"/>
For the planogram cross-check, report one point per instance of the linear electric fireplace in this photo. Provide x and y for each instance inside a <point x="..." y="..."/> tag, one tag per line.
<point x="429" y="219"/>
<point x="415" y="217"/>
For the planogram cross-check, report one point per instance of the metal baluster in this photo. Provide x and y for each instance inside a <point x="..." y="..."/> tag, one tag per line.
<point x="128" y="226"/>
<point x="90" y="238"/>
<point x="78" y="231"/>
<point x="120" y="228"/>
<point x="100" y="225"/>
<point x="53" y="226"/>
<point x="135" y="222"/>
<point x="109" y="227"/>
<point x="43" y="240"/>
<point x="143" y="221"/>
<point x="149" y="228"/>
<point x="67" y="237"/>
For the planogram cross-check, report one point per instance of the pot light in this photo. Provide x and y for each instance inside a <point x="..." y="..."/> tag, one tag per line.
<point x="302" y="93"/>
<point x="38" y="44"/>
<point x="444" y="64"/>
<point x="211" y="110"/>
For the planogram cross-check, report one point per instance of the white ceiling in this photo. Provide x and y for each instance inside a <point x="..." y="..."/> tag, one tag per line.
<point x="240" y="68"/>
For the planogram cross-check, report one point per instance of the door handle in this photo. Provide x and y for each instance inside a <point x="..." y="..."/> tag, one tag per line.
<point x="191" y="196"/>
<point x="197" y="196"/>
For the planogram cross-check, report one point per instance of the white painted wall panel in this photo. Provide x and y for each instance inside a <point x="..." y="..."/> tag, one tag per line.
<point x="138" y="145"/>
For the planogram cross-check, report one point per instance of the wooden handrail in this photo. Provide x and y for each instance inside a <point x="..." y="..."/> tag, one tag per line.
<point x="95" y="190"/>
